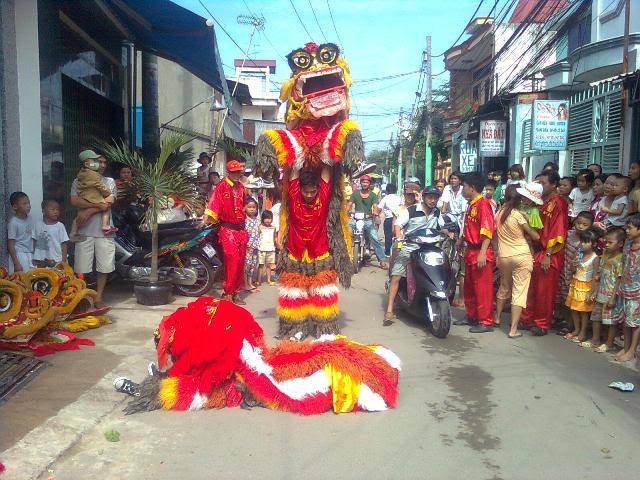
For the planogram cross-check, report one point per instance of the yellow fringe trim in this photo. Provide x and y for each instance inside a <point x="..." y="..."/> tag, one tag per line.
<point x="298" y="314"/>
<point x="345" y="128"/>
<point x="168" y="394"/>
<point x="344" y="221"/>
<point x="307" y="259"/>
<point x="344" y="388"/>
<point x="278" y="145"/>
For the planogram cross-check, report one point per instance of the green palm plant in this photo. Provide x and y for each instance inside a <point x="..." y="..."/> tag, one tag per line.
<point x="154" y="180"/>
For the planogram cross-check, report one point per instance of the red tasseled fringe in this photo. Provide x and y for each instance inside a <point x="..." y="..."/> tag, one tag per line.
<point x="300" y="280"/>
<point x="287" y="302"/>
<point x="333" y="142"/>
<point x="294" y="359"/>
<point x="291" y="153"/>
<point x="267" y="393"/>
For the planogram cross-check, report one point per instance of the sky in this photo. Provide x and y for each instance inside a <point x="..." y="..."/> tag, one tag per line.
<point x="378" y="38"/>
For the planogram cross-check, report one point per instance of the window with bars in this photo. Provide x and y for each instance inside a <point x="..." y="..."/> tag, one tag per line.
<point x="594" y="128"/>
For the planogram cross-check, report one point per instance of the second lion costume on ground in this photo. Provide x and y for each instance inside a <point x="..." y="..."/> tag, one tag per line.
<point x="314" y="232"/>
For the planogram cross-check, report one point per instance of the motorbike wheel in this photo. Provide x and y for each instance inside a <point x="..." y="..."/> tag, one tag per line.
<point x="441" y="324"/>
<point x="357" y="258"/>
<point x="205" y="271"/>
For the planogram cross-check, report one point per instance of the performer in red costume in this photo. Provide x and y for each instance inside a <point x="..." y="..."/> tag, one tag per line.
<point x="548" y="257"/>
<point x="317" y="150"/>
<point x="226" y="206"/>
<point x="478" y="254"/>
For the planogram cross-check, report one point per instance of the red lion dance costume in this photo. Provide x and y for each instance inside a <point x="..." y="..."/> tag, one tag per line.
<point x="315" y="236"/>
<point x="219" y="358"/>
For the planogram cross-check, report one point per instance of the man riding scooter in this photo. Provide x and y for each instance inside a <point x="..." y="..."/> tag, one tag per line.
<point x="416" y="216"/>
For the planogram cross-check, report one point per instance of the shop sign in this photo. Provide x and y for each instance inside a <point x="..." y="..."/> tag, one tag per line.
<point x="549" y="125"/>
<point x="493" y="138"/>
<point x="468" y="156"/>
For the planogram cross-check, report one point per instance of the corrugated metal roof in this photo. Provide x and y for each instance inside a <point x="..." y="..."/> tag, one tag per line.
<point x="524" y="8"/>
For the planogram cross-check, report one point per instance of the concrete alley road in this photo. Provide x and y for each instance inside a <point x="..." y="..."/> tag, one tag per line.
<point x="478" y="407"/>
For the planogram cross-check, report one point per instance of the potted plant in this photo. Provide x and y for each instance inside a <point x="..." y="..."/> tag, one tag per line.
<point x="154" y="181"/>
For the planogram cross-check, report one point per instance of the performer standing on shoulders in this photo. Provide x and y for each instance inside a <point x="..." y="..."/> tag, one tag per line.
<point x="226" y="206"/>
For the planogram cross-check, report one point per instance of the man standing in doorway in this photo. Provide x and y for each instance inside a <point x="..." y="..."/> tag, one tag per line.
<point x="89" y="220"/>
<point x="226" y="206"/>
<point x="365" y="201"/>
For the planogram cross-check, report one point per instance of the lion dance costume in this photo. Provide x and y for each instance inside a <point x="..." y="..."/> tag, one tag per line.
<point x="315" y="237"/>
<point x="218" y="358"/>
<point x="42" y="309"/>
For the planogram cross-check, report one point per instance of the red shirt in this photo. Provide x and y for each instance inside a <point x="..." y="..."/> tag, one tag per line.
<point x="478" y="222"/>
<point x="226" y="203"/>
<point x="555" y="224"/>
<point x="307" y="237"/>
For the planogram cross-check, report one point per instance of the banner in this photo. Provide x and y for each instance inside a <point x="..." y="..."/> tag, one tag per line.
<point x="493" y="138"/>
<point x="468" y="156"/>
<point x="549" y="125"/>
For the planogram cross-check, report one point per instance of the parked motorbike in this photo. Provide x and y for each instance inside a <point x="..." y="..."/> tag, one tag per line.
<point x="186" y="253"/>
<point x="358" y="240"/>
<point x="425" y="291"/>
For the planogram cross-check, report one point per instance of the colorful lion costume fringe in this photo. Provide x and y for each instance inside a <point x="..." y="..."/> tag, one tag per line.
<point x="39" y="310"/>
<point x="318" y="136"/>
<point x="219" y="358"/>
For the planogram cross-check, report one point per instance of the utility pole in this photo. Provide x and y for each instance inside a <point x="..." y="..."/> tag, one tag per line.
<point x="426" y="64"/>
<point x="625" y="67"/>
<point x="150" y="117"/>
<point x="400" y="160"/>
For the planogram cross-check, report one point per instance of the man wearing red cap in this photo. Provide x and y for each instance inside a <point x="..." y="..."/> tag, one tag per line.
<point x="365" y="201"/>
<point x="226" y="206"/>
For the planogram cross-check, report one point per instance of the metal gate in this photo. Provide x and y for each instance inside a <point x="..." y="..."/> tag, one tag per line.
<point x="89" y="119"/>
<point x="595" y="119"/>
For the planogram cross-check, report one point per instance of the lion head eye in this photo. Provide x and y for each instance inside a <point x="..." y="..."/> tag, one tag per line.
<point x="41" y="285"/>
<point x="300" y="60"/>
<point x="327" y="53"/>
<point x="6" y="301"/>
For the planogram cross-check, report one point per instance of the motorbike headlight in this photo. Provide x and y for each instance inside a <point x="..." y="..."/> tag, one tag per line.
<point x="432" y="258"/>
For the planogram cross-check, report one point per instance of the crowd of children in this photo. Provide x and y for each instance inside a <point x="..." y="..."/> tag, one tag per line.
<point x="39" y="243"/>
<point x="589" y="239"/>
<point x="261" y="248"/>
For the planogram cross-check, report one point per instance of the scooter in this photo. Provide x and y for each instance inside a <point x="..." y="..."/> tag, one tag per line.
<point x="424" y="293"/>
<point x="358" y="240"/>
<point x="186" y="253"/>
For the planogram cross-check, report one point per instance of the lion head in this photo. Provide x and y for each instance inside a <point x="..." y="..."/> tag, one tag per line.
<point x="319" y="83"/>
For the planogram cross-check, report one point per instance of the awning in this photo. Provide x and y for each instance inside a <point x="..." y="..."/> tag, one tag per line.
<point x="165" y="29"/>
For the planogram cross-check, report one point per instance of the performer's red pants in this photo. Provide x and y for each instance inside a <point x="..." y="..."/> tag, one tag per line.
<point x="541" y="297"/>
<point x="478" y="291"/>
<point x="234" y="246"/>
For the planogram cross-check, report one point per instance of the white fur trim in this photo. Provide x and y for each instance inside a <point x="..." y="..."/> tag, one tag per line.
<point x="391" y="358"/>
<point x="369" y="400"/>
<point x="299" y="160"/>
<point x="252" y="357"/>
<point x="325" y="290"/>
<point x="327" y="337"/>
<point x="198" y="402"/>
<point x="295" y="388"/>
<point x="326" y="159"/>
<point x="292" y="292"/>
<point x="298" y="388"/>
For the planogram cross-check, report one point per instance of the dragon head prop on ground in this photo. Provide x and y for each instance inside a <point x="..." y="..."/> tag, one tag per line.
<point x="319" y="83"/>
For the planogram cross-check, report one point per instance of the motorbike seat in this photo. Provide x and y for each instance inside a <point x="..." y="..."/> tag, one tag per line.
<point x="169" y="235"/>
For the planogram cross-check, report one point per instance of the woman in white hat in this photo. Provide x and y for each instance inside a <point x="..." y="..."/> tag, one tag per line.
<point x="515" y="261"/>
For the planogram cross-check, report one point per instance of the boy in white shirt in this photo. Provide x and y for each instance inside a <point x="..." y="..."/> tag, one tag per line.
<point x="20" y="230"/>
<point x="51" y="239"/>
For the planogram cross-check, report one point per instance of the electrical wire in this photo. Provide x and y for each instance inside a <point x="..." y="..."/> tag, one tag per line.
<point x="463" y="30"/>
<point x="317" y="22"/>
<point x="300" y="19"/>
<point x="334" y="24"/>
